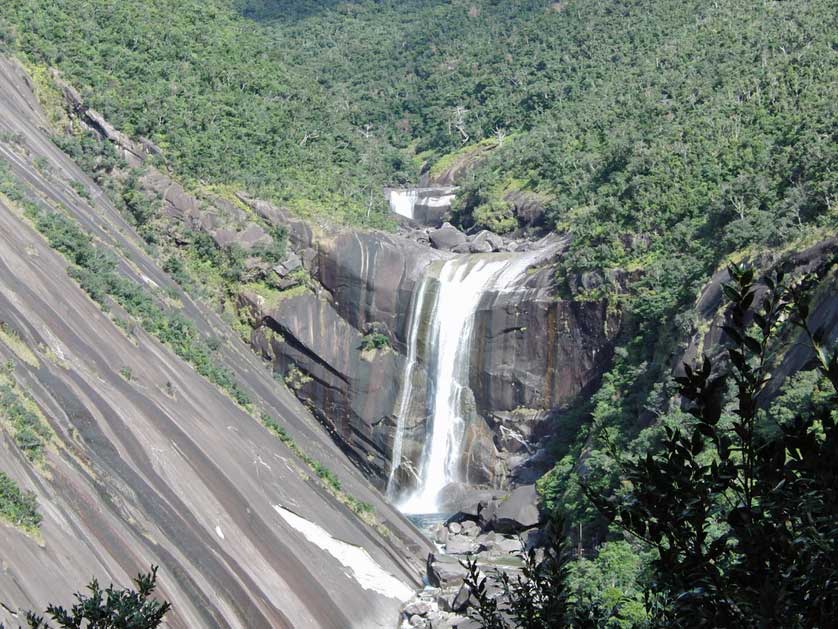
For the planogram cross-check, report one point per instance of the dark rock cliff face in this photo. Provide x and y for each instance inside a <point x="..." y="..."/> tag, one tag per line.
<point x="820" y="259"/>
<point x="352" y="391"/>
<point x="368" y="280"/>
<point x="536" y="351"/>
<point x="372" y="276"/>
<point x="531" y="352"/>
<point x="162" y="467"/>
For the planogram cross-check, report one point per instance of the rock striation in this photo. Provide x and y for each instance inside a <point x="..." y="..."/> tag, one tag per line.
<point x="148" y="462"/>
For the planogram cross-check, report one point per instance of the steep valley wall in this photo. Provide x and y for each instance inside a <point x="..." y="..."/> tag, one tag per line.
<point x="149" y="463"/>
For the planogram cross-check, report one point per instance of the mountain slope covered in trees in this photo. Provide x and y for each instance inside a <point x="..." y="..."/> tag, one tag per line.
<point x="666" y="137"/>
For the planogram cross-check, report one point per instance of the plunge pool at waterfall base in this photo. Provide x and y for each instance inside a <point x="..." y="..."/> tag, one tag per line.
<point x="425" y="522"/>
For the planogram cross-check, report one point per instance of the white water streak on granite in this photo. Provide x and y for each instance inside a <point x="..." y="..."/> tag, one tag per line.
<point x="361" y="565"/>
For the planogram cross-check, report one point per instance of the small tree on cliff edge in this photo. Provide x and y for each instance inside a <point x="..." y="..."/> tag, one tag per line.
<point x="110" y="608"/>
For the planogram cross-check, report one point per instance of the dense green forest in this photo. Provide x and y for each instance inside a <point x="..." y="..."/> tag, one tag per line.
<point x="666" y="137"/>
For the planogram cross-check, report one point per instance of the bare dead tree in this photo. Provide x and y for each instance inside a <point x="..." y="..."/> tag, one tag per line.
<point x="309" y="136"/>
<point x="458" y="122"/>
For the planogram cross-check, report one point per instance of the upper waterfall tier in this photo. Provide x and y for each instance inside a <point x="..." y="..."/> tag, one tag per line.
<point x="423" y="205"/>
<point x="446" y="302"/>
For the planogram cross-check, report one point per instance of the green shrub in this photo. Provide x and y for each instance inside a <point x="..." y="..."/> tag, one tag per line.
<point x="496" y="216"/>
<point x="19" y="508"/>
<point x="95" y="272"/>
<point x="111" y="608"/>
<point x="375" y="341"/>
<point x="359" y="506"/>
<point x="28" y="429"/>
<point x="80" y="189"/>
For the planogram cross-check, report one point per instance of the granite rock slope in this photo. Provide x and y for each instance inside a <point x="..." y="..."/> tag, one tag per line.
<point x="149" y="462"/>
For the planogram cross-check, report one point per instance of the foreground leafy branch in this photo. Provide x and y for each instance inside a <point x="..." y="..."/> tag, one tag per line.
<point x="744" y="524"/>
<point x="111" y="608"/>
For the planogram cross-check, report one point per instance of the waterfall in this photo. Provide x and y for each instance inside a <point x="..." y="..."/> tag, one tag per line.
<point x="417" y="306"/>
<point x="462" y="282"/>
<point x="402" y="201"/>
<point x="423" y="205"/>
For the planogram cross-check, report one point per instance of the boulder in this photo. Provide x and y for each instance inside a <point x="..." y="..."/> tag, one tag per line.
<point x="224" y="237"/>
<point x="444" y="571"/>
<point x="443" y="601"/>
<point x="487" y="539"/>
<point x="289" y="281"/>
<point x="417" y="608"/>
<point x="455" y="528"/>
<point x="487" y="241"/>
<point x="462" y="248"/>
<point x="292" y="262"/>
<point x="479" y="246"/>
<point x="507" y="545"/>
<point x="210" y="221"/>
<point x="487" y="515"/>
<point x="431" y="573"/>
<point x="251" y="236"/>
<point x="462" y="545"/>
<point x="446" y="237"/>
<point x="248" y="238"/>
<point x="518" y="512"/>
<point x="462" y="599"/>
<point x="528" y="207"/>
<point x="440" y="534"/>
<point x="533" y="538"/>
<point x="463" y="501"/>
<point x="460" y="622"/>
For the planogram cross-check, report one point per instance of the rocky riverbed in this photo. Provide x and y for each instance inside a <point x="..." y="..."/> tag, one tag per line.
<point x="495" y="531"/>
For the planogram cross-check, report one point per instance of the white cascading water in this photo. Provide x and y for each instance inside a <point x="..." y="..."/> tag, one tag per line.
<point x="402" y="201"/>
<point x="407" y="386"/>
<point x="462" y="283"/>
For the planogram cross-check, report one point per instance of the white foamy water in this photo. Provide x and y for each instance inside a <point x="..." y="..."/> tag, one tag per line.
<point x="462" y="283"/>
<point x="363" y="568"/>
<point x="402" y="202"/>
<point x="407" y="386"/>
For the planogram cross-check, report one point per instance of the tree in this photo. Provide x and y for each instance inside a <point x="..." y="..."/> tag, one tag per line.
<point x="743" y="520"/>
<point x="536" y="599"/>
<point x="110" y="608"/>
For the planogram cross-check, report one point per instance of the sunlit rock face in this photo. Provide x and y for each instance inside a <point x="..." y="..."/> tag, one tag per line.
<point x="525" y="349"/>
<point x="152" y="464"/>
